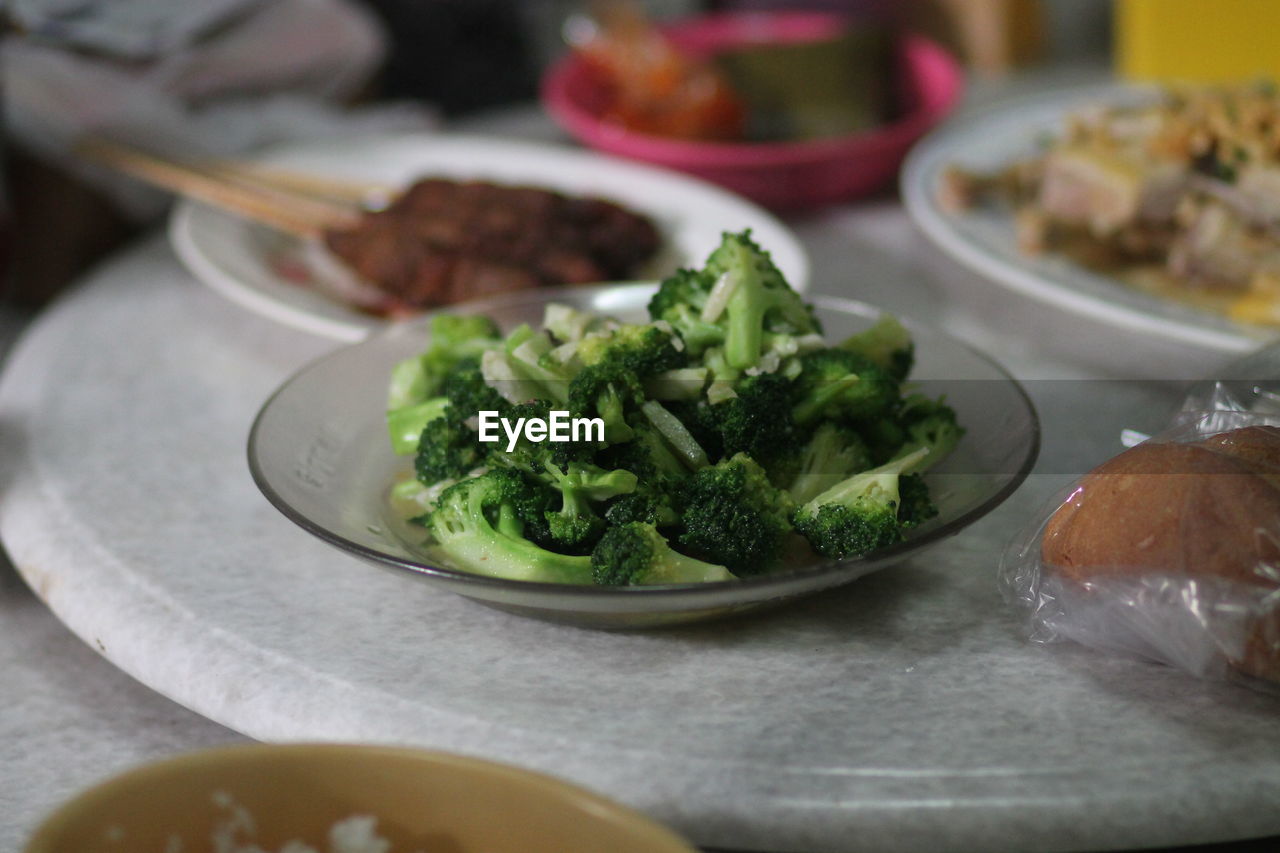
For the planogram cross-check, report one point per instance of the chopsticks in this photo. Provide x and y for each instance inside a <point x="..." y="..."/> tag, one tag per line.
<point x="302" y="205"/>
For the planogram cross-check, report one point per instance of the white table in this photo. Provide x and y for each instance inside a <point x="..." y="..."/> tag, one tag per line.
<point x="69" y="717"/>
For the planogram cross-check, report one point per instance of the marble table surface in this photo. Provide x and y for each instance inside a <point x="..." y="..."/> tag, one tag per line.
<point x="70" y="716"/>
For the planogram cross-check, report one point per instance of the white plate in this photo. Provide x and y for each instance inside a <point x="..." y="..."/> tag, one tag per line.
<point x="261" y="269"/>
<point x="984" y="239"/>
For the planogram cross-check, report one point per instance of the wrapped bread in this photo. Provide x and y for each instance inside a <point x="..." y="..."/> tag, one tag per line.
<point x="1170" y="550"/>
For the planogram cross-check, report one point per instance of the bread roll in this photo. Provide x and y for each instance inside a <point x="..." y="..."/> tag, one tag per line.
<point x="1209" y="509"/>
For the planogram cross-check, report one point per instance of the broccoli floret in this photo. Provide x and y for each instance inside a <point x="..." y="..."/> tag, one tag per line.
<point x="888" y="344"/>
<point x="576" y="526"/>
<point x="647" y="504"/>
<point x="533" y="457"/>
<point x="418" y="391"/>
<point x="836" y="383"/>
<point x="679" y="302"/>
<point x="741" y="293"/>
<point x="610" y="390"/>
<point x="733" y="515"/>
<point x="642" y="349"/>
<point x="447" y="449"/>
<point x="883" y="437"/>
<point x="477" y="526"/>
<point x="929" y="424"/>
<point x="757" y="421"/>
<point x="833" y="452"/>
<point x="467" y="391"/>
<point x="463" y="394"/>
<point x="861" y="513"/>
<point x="610" y="384"/>
<point x="454" y="337"/>
<point x="658" y="473"/>
<point x="405" y="424"/>
<point x="915" y="504"/>
<point x="635" y="554"/>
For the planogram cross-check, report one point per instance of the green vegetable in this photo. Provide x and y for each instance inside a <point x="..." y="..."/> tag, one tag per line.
<point x="477" y="525"/>
<point x="888" y="344"/>
<point x="732" y="515"/>
<point x="732" y="434"/>
<point x="635" y="553"/>
<point x="861" y="513"/>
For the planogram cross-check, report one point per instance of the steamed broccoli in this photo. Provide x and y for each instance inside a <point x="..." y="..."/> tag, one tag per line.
<point x="862" y="513"/>
<point x="635" y="553"/>
<point x="417" y="394"/>
<point x="741" y="292"/>
<point x="642" y="349"/>
<point x="733" y="515"/>
<point x="447" y="449"/>
<point x="405" y="424"/>
<point x="610" y="391"/>
<point x="454" y="337"/>
<point x="614" y="365"/>
<point x="833" y="452"/>
<point x="836" y="383"/>
<point x="757" y="421"/>
<point x="645" y="504"/>
<point x="887" y="343"/>
<point x="929" y="424"/>
<point x="679" y="302"/>
<point x="575" y="526"/>
<point x="723" y="413"/>
<point x="476" y="525"/>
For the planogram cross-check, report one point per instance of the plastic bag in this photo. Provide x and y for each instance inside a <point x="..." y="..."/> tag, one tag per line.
<point x="1181" y="571"/>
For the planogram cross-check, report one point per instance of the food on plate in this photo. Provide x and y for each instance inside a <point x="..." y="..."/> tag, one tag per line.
<point x="758" y="88"/>
<point x="651" y="86"/>
<point x="1206" y="511"/>
<point x="1179" y="195"/>
<point x="723" y="438"/>
<point x="443" y="241"/>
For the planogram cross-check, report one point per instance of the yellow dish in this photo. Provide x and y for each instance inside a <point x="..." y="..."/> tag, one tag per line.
<point x="423" y="801"/>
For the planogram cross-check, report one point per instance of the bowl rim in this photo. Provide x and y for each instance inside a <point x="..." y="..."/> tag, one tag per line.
<point x="567" y="793"/>
<point x="779" y="582"/>
<point x="916" y="50"/>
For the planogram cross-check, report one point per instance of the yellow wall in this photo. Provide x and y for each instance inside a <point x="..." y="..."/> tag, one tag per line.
<point x="1198" y="40"/>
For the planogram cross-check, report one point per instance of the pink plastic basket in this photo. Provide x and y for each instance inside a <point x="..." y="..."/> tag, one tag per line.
<point x="785" y="175"/>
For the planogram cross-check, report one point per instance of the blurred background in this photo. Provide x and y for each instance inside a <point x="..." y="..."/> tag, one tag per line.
<point x="227" y="76"/>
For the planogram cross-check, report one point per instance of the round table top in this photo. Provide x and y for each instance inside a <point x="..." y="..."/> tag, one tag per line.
<point x="904" y="712"/>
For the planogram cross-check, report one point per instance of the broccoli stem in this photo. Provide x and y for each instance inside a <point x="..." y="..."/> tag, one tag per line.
<point x="464" y="535"/>
<point x="745" y="309"/>
<point x="612" y="410"/>
<point x="677" y="435"/>
<point x="876" y="482"/>
<point x="405" y="424"/>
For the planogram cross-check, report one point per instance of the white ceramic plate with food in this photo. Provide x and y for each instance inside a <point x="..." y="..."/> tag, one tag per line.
<point x="287" y="279"/>
<point x="983" y="239"/>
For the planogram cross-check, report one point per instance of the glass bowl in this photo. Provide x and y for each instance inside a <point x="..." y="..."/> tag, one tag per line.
<point x="319" y="452"/>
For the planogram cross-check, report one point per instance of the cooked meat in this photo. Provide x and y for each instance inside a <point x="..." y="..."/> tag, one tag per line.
<point x="442" y="241"/>
<point x="1186" y="183"/>
<point x="1108" y="193"/>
